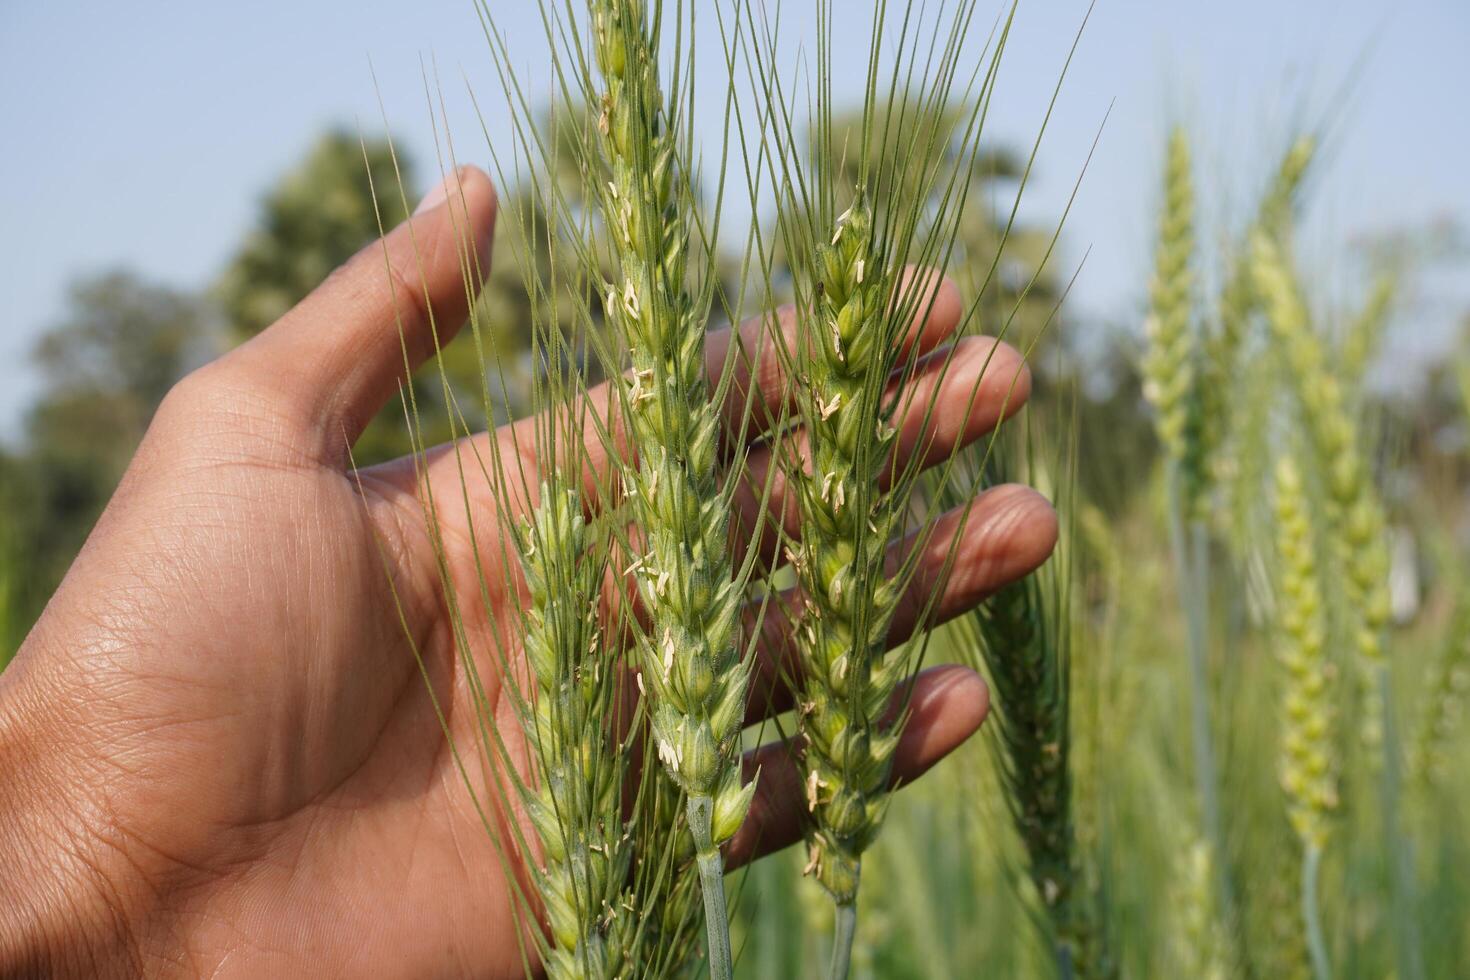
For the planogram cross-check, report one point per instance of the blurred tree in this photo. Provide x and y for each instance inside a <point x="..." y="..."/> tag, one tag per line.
<point x="323" y="211"/>
<point x="17" y="511"/>
<point x="105" y="367"/>
<point x="316" y="216"/>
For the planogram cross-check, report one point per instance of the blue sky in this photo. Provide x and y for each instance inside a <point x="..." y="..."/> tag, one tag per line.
<point x="143" y="134"/>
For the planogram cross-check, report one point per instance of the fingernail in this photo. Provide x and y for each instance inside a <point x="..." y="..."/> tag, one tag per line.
<point x="435" y="197"/>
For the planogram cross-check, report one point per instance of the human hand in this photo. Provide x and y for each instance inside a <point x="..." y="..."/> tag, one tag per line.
<point x="220" y="755"/>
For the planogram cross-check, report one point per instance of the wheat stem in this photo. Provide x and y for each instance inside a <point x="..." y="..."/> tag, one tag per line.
<point x="1189" y="546"/>
<point x="700" y="811"/>
<point x="843" y="931"/>
<point x="1312" y="915"/>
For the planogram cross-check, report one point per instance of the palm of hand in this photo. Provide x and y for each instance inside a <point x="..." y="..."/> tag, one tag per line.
<point x="257" y="749"/>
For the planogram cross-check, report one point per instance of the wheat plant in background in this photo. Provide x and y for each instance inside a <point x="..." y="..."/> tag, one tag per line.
<point x="1176" y="379"/>
<point x="1022" y="637"/>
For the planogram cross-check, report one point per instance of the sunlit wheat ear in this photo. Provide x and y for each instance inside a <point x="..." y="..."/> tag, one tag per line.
<point x="1308" y="766"/>
<point x="1356" y="516"/>
<point x="847" y="678"/>
<point x="1172" y="382"/>
<point x="853" y="315"/>
<point x="1238" y="300"/>
<point x="1170" y="365"/>
<point x="693" y="673"/>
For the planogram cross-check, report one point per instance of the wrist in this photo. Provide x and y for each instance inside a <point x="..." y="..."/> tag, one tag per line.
<point x="70" y="899"/>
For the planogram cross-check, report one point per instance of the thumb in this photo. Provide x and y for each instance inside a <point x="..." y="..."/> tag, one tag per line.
<point x="337" y="358"/>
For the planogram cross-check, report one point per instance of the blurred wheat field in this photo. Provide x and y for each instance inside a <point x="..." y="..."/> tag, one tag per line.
<point x="955" y="897"/>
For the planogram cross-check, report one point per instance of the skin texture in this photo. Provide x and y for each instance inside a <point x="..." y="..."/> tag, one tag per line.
<point x="219" y="755"/>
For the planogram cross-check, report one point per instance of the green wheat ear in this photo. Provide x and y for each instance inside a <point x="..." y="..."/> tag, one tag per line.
<point x="853" y="314"/>
<point x="1226" y="347"/>
<point x="1021" y="639"/>
<point x="1355" y="514"/>
<point x="576" y="806"/>
<point x="693" y="673"/>
<point x="847" y="678"/>
<point x="1170" y="366"/>
<point x="1308" y="766"/>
